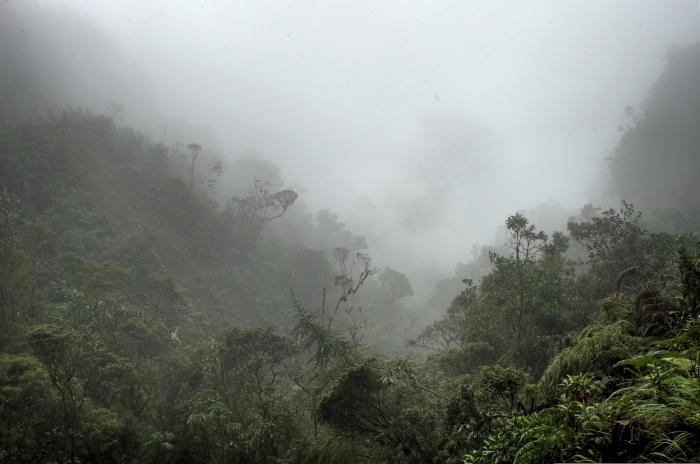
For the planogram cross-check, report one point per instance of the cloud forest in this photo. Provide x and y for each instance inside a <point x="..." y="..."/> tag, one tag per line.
<point x="163" y="300"/>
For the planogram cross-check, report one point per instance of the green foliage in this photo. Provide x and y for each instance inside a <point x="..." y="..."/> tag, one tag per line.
<point x="524" y="303"/>
<point x="608" y="232"/>
<point x="329" y="348"/>
<point x="395" y="287"/>
<point x="596" y="352"/>
<point x="571" y="432"/>
<point x="362" y="402"/>
<point x="95" y="279"/>
<point x="462" y="360"/>
<point x="578" y="387"/>
<point x="503" y="383"/>
<point x="241" y="347"/>
<point x="251" y="366"/>
<point x="326" y="446"/>
<point x="624" y="256"/>
<point x="331" y="234"/>
<point x="354" y="403"/>
<point x="28" y="407"/>
<point x="678" y="446"/>
<point x="525" y="242"/>
<point x="687" y="297"/>
<point x="649" y="417"/>
<point x="102" y="431"/>
<point x="464" y="321"/>
<point x="524" y="439"/>
<point x="306" y="271"/>
<point x="16" y="283"/>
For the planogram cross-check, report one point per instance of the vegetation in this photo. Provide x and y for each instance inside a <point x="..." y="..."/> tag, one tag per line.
<point x="655" y="163"/>
<point x="143" y="321"/>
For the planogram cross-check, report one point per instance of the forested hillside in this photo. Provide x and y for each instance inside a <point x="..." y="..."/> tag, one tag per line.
<point x="655" y="163"/>
<point x="143" y="319"/>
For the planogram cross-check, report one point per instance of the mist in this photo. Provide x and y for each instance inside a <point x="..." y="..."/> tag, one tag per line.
<point x="422" y="125"/>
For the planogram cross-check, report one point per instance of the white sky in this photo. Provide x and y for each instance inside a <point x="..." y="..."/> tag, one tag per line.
<point x="447" y="115"/>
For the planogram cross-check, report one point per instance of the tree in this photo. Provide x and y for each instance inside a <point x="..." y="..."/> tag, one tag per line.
<point x="607" y="233"/>
<point x="348" y="285"/>
<point x="16" y="273"/>
<point x="194" y="154"/>
<point x="215" y="170"/>
<point x="28" y="409"/>
<point x="251" y="367"/>
<point x="306" y="271"/>
<point x="623" y="255"/>
<point x="330" y="343"/>
<point x="525" y="242"/>
<point x="362" y="401"/>
<point x="245" y="417"/>
<point x="67" y="361"/>
<point x="461" y="334"/>
<point x="514" y="313"/>
<point x="395" y="287"/>
<point x="91" y="291"/>
<point x="248" y="216"/>
<point x="41" y="245"/>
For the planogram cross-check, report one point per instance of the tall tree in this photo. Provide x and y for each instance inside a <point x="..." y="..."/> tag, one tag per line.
<point x="395" y="286"/>
<point x="194" y="154"/>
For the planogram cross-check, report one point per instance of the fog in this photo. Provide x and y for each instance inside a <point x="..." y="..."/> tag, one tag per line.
<point x="422" y="124"/>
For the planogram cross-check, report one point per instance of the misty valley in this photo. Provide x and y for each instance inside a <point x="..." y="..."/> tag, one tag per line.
<point x="162" y="301"/>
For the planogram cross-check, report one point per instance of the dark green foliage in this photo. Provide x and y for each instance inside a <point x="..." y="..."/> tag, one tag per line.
<point x="28" y="409"/>
<point x="91" y="219"/>
<point x="520" y="308"/>
<point x="464" y="359"/>
<point x="620" y="400"/>
<point x="354" y="404"/>
<point x="623" y="256"/>
<point x="395" y="287"/>
<point x="95" y="280"/>
<point x="553" y="435"/>
<point x="602" y="394"/>
<point x="503" y="383"/>
<point x="688" y="292"/>
<point x="525" y="242"/>
<point x="362" y="402"/>
<point x="251" y="366"/>
<point x="329" y="347"/>
<point x="609" y="232"/>
<point x="595" y="352"/>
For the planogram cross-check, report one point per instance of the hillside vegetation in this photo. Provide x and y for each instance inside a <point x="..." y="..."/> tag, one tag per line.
<point x="144" y="320"/>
